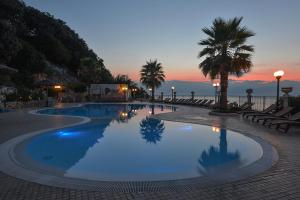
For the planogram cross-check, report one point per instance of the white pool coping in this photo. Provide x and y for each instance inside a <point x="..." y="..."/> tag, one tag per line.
<point x="11" y="166"/>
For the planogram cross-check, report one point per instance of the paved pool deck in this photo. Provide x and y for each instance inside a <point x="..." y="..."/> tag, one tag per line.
<point x="281" y="181"/>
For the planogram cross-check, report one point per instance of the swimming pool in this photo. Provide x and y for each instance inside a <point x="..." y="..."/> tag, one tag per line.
<point x="125" y="142"/>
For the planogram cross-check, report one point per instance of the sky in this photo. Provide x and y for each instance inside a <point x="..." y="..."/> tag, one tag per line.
<point x="127" y="33"/>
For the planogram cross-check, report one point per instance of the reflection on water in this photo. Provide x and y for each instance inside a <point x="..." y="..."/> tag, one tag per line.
<point x="215" y="156"/>
<point x="152" y="129"/>
<point x="66" y="147"/>
<point x="124" y="142"/>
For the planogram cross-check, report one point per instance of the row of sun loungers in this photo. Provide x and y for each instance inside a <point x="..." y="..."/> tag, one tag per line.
<point x="209" y="104"/>
<point x="282" y="119"/>
<point x="193" y="102"/>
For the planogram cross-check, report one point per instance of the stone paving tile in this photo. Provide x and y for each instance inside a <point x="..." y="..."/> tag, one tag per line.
<point x="282" y="181"/>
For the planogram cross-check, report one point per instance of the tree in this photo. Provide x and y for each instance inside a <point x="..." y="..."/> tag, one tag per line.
<point x="216" y="157"/>
<point x="28" y="61"/>
<point x="152" y="75"/>
<point x="93" y="71"/>
<point x="225" y="52"/>
<point x="9" y="43"/>
<point x="152" y="129"/>
<point x="124" y="79"/>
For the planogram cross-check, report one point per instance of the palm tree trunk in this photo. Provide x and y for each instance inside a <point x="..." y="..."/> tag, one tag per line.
<point x="224" y="87"/>
<point x="152" y="99"/>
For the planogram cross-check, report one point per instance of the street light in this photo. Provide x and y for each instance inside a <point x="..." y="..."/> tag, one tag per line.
<point x="124" y="89"/>
<point x="216" y="85"/>
<point x="58" y="89"/>
<point x="133" y="92"/>
<point x="278" y="75"/>
<point x="173" y="88"/>
<point x="150" y="91"/>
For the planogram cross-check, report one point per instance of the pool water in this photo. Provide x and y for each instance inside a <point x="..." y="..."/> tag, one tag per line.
<point x="123" y="142"/>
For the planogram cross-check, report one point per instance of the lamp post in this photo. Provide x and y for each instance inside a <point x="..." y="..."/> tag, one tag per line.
<point x="278" y="75"/>
<point x="216" y="85"/>
<point x="124" y="89"/>
<point x="172" y="88"/>
<point x="133" y="92"/>
<point x="193" y="95"/>
<point x="150" y="90"/>
<point x="58" y="88"/>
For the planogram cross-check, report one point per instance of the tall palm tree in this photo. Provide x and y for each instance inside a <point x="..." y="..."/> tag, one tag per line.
<point x="226" y="52"/>
<point x="152" y="129"/>
<point x="152" y="75"/>
<point x="216" y="157"/>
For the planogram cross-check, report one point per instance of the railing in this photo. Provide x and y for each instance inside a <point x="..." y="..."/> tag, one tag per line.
<point x="260" y="102"/>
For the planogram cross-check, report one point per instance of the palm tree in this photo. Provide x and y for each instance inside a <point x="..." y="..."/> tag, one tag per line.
<point x="152" y="75"/>
<point x="216" y="157"/>
<point x="226" y="52"/>
<point x="152" y="129"/>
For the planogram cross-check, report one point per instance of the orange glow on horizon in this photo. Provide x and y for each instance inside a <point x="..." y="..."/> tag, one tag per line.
<point x="260" y="72"/>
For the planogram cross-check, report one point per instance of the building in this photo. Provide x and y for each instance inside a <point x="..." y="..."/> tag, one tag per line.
<point x="109" y="92"/>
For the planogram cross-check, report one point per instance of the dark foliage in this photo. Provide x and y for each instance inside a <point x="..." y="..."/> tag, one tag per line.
<point x="29" y="39"/>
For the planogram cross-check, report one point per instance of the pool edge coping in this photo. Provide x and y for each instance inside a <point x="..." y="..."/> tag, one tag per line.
<point x="13" y="168"/>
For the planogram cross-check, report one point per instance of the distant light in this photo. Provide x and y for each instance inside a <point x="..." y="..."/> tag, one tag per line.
<point x="57" y="87"/>
<point x="150" y="112"/>
<point x="279" y="74"/>
<point x="124" y="114"/>
<point x="215" y="129"/>
<point x="172" y="87"/>
<point x="216" y="84"/>
<point x="150" y="89"/>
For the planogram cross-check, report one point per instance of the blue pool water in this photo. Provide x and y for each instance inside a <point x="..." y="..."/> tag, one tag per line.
<point x="122" y="142"/>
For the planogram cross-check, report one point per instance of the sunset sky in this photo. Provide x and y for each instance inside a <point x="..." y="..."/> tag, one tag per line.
<point x="126" y="33"/>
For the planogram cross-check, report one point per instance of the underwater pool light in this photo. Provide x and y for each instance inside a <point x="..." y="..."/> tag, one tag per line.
<point x="187" y="128"/>
<point x="66" y="134"/>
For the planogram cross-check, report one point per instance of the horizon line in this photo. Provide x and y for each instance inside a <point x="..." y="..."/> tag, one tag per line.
<point x="209" y="81"/>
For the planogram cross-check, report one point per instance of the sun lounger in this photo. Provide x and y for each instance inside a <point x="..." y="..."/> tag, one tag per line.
<point x="186" y="101"/>
<point x="246" y="107"/>
<point x="208" y="103"/>
<point x="177" y="101"/>
<point x="182" y="101"/>
<point x="283" y="112"/>
<point x="167" y="100"/>
<point x="293" y="120"/>
<point x="268" y="110"/>
<point x="232" y="106"/>
<point x="173" y="101"/>
<point x="201" y="103"/>
<point x="193" y="102"/>
<point x="288" y="124"/>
